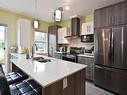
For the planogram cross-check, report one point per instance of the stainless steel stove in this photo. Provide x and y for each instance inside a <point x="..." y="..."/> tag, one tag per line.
<point x="72" y="56"/>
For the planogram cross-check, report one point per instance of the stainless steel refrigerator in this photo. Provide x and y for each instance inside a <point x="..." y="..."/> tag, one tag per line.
<point x="111" y="59"/>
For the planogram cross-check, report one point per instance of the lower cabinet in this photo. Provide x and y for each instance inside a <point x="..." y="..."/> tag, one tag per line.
<point x="89" y="61"/>
<point x="75" y="85"/>
<point x="58" y="55"/>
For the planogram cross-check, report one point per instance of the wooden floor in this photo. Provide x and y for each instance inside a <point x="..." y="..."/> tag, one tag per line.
<point x="91" y="89"/>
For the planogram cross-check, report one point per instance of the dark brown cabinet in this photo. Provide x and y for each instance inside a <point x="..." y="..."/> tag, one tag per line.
<point x="111" y="79"/>
<point x="124" y="13"/>
<point x="107" y="16"/>
<point x="111" y="15"/>
<point x="103" y="17"/>
<point x="52" y="40"/>
<point x="97" y="20"/>
<point x="90" y="66"/>
<point x="75" y="85"/>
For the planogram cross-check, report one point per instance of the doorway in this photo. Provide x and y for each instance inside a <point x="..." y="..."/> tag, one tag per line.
<point x="4" y="48"/>
<point x="2" y="44"/>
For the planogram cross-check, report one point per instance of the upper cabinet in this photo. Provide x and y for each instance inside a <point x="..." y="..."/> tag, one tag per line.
<point x="53" y="40"/>
<point x="23" y="34"/>
<point x="87" y="28"/>
<point x="62" y="33"/>
<point x="111" y="15"/>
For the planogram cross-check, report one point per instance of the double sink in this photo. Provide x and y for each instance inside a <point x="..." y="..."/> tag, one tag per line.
<point x="41" y="59"/>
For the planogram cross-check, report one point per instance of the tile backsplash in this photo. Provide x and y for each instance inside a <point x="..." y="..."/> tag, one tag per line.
<point x="76" y="42"/>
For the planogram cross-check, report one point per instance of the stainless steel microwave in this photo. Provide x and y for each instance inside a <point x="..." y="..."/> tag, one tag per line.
<point x="87" y="38"/>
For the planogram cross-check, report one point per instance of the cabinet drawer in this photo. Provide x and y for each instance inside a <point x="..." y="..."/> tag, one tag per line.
<point x="59" y="56"/>
<point x="86" y="60"/>
<point x="89" y="73"/>
<point x="91" y="61"/>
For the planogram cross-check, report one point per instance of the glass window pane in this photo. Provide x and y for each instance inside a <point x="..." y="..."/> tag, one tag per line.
<point x="40" y="41"/>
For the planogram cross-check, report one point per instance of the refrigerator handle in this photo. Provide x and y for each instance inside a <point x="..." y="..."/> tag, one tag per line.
<point x="110" y="48"/>
<point x="100" y="67"/>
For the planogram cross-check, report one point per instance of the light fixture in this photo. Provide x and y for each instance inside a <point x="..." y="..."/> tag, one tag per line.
<point x="58" y="14"/>
<point x="36" y="22"/>
<point x="67" y="8"/>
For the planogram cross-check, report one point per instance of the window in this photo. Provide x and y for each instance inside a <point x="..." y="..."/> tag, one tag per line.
<point x="41" y="41"/>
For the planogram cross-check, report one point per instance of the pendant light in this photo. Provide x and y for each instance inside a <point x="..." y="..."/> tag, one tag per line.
<point x="58" y="14"/>
<point x="36" y="22"/>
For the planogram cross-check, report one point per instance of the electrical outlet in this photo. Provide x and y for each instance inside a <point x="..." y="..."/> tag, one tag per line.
<point x="64" y="83"/>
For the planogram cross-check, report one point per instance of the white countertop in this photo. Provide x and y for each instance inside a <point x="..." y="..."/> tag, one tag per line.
<point x="47" y="73"/>
<point x="60" y="52"/>
<point x="86" y="55"/>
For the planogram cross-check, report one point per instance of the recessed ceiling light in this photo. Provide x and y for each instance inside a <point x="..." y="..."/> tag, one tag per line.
<point x="67" y="8"/>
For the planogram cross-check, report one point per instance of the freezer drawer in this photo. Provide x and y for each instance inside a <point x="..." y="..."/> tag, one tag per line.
<point x="111" y="79"/>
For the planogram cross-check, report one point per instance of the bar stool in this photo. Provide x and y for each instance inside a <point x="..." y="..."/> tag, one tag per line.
<point x="28" y="87"/>
<point x="15" y="77"/>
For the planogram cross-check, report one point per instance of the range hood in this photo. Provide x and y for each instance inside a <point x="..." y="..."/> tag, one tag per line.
<point x="75" y="27"/>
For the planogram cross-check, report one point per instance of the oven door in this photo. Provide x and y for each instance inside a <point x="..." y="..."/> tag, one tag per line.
<point x="69" y="58"/>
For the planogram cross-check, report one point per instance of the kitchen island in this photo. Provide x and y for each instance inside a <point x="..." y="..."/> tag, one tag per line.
<point x="57" y="77"/>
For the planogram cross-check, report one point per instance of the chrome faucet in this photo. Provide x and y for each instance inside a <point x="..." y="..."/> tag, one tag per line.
<point x="34" y="45"/>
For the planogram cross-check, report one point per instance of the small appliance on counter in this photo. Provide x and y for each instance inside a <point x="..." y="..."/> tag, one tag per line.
<point x="13" y="49"/>
<point x="63" y="49"/>
<point x="20" y="50"/>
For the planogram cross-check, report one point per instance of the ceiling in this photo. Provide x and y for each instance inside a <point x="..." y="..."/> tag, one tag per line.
<point x="45" y="8"/>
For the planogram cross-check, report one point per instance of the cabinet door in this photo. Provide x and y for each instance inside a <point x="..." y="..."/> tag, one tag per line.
<point x="97" y="18"/>
<point x="124" y="12"/>
<point x="90" y="73"/>
<point x="103" y="17"/>
<point x="116" y="14"/>
<point x="62" y="32"/>
<point x="108" y="16"/>
<point x="90" y="68"/>
<point x="111" y="79"/>
<point x="59" y="35"/>
<point x="86" y="60"/>
<point x="52" y="40"/>
<point x="87" y="28"/>
<point x="91" y="61"/>
<point x="24" y="33"/>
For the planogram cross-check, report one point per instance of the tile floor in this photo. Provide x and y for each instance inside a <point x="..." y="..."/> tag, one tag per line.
<point x="91" y="89"/>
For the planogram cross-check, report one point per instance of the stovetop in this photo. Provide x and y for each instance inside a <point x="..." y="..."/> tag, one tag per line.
<point x="70" y="55"/>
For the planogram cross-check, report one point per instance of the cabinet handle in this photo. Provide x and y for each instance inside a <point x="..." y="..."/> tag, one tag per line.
<point x="113" y="20"/>
<point x="110" y="21"/>
<point x="87" y="28"/>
